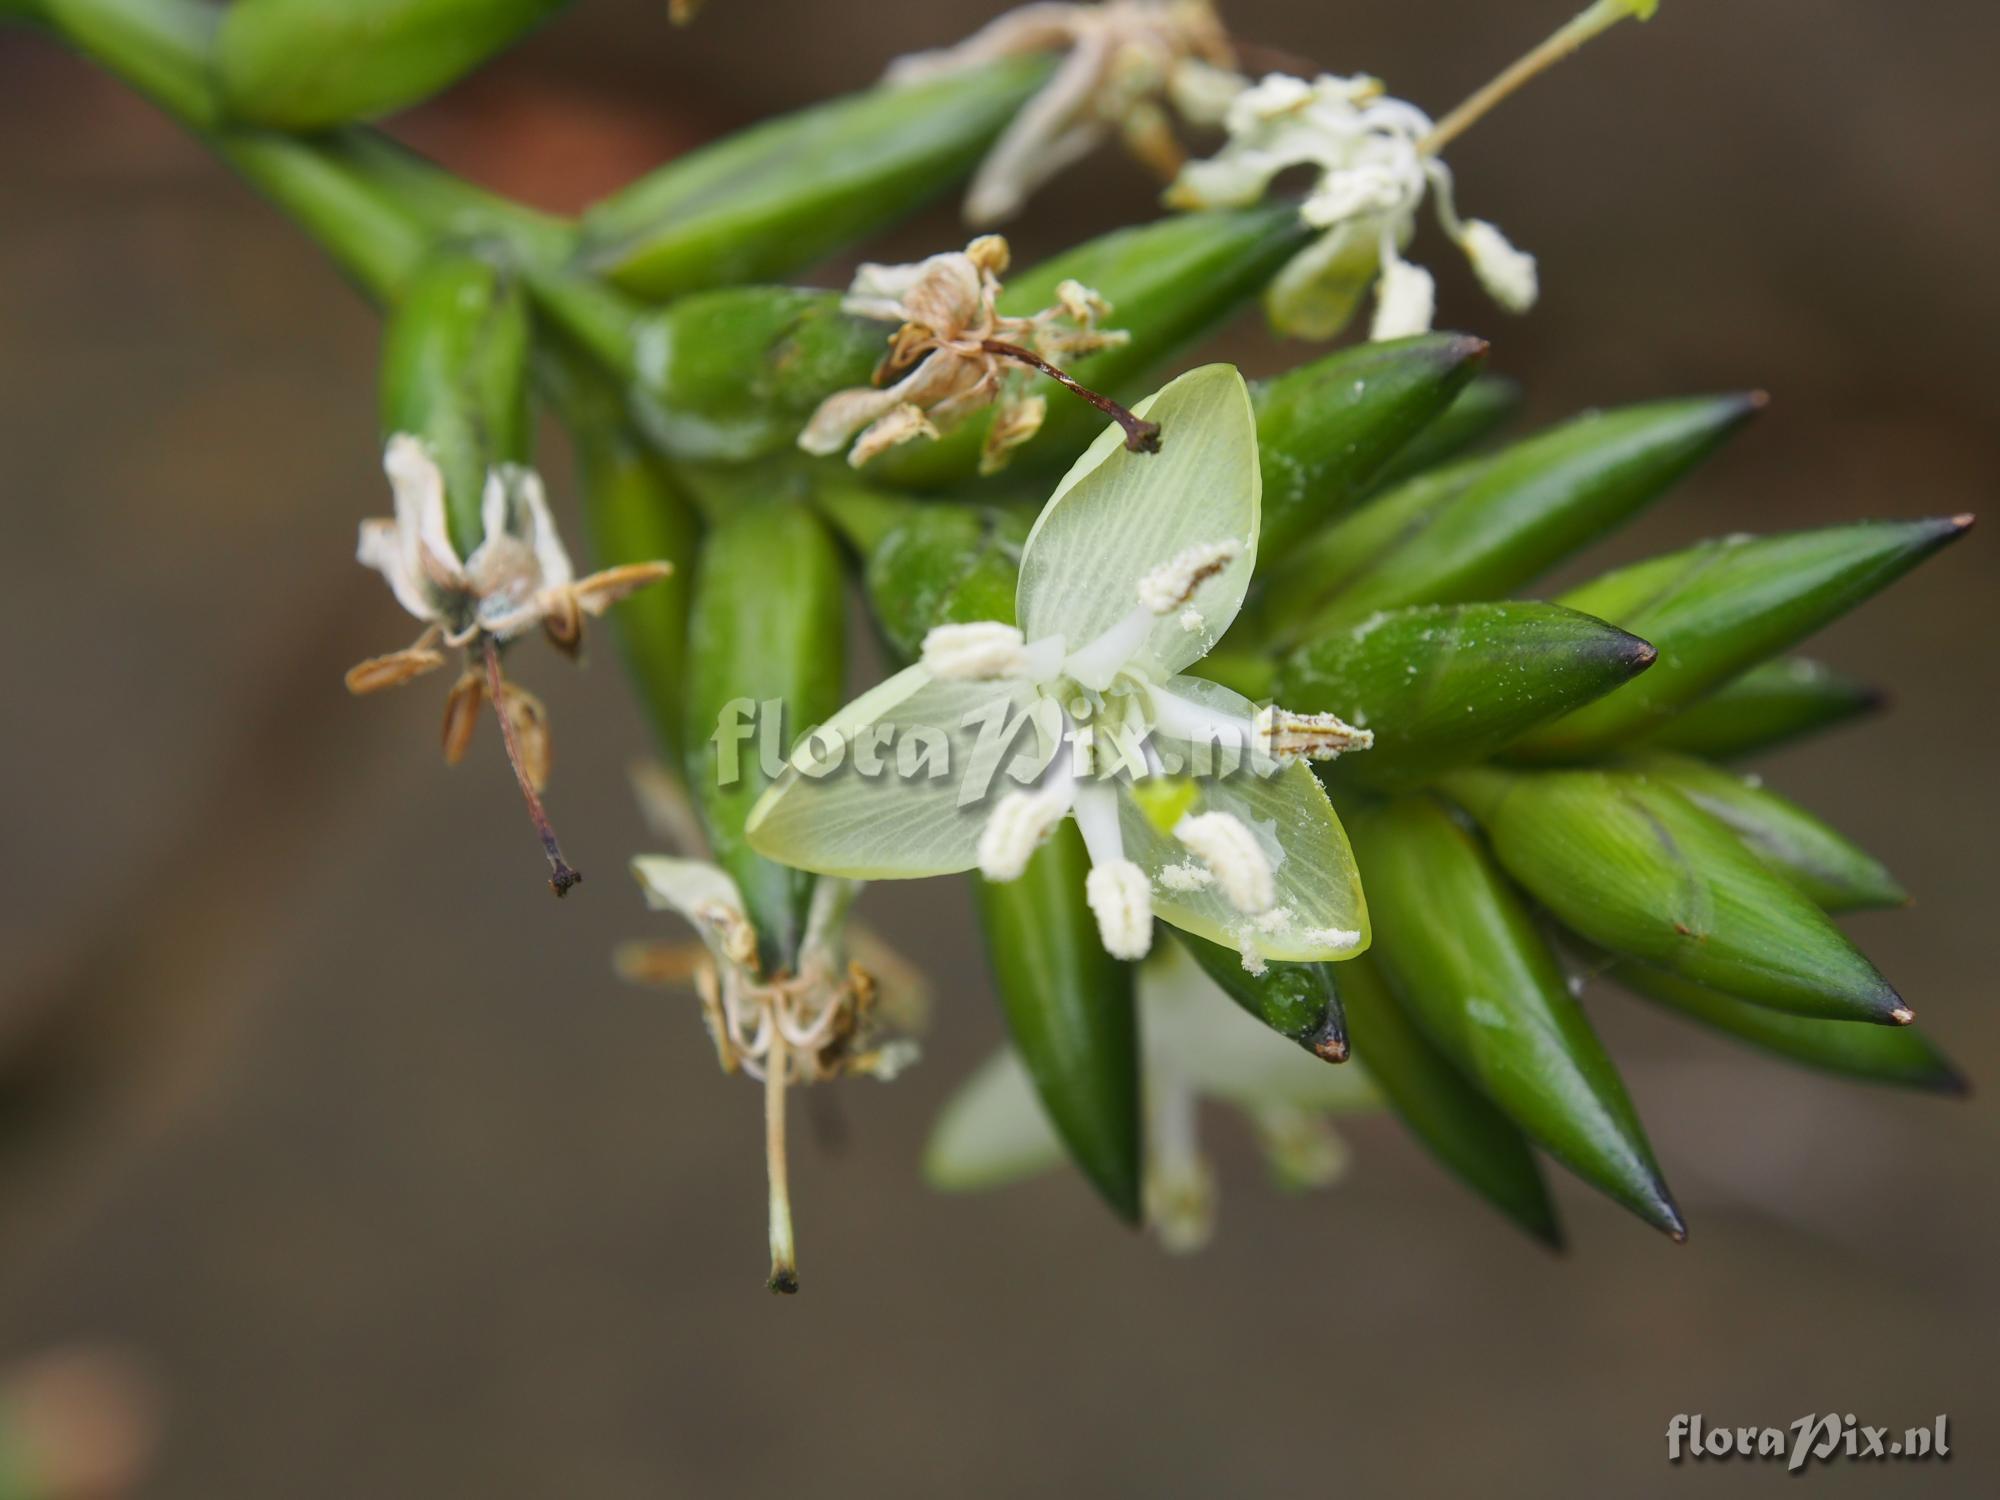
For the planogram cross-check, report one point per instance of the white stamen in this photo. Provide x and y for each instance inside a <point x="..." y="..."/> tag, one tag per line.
<point x="1122" y="900"/>
<point x="1018" y="824"/>
<point x="1226" y="845"/>
<point x="1172" y="583"/>
<point x="976" y="652"/>
<point x="1508" y="274"/>
<point x="1286" y="736"/>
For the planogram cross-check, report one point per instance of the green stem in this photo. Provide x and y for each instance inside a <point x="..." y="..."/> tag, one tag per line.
<point x="377" y="243"/>
<point x="448" y="205"/>
<point x="597" y="319"/>
<point x="1566" y="39"/>
<point x="161" y="48"/>
<point x="373" y="206"/>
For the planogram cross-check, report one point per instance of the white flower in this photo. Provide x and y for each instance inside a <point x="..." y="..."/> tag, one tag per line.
<point x="518" y="577"/>
<point x="1198" y="1046"/>
<point x="1091" y="684"/>
<point x="1375" y="169"/>
<point x="953" y="354"/>
<point x="1124" y="58"/>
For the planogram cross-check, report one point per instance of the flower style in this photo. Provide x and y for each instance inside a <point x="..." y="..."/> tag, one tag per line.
<point x="817" y="1024"/>
<point x="518" y="577"/>
<point x="1198" y="1045"/>
<point x="1376" y="166"/>
<point x="1124" y="58"/>
<point x="1134" y="570"/>
<point x="955" y="353"/>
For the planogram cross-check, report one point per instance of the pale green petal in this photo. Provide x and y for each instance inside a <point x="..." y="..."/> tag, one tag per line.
<point x="1202" y="1035"/>
<point x="1117" y="516"/>
<point x="1317" y="293"/>
<point x="936" y="744"/>
<point x="1323" y="914"/>
<point x="993" y="1131"/>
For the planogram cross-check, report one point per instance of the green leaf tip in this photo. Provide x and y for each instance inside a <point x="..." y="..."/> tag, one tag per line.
<point x="1461" y="950"/>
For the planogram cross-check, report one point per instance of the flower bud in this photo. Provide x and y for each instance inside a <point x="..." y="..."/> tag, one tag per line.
<point x="1070" y="1013"/>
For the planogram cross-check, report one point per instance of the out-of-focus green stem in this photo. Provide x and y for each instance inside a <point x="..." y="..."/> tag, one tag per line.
<point x="375" y="242"/>
<point x="371" y="204"/>
<point x="449" y="206"/>
<point x="161" y="48"/>
<point x="599" y="320"/>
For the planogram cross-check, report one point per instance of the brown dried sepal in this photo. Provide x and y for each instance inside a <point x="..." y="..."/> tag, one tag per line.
<point x="461" y="715"/>
<point x="530" y="722"/>
<point x="398" y="667"/>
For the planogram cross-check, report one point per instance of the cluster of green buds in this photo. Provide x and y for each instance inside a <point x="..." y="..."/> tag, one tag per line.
<point x="1272" y="787"/>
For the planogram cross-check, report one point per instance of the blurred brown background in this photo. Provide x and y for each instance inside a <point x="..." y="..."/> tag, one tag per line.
<point x="316" y="1103"/>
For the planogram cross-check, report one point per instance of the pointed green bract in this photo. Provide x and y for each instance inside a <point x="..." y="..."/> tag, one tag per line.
<point x="732" y="375"/>
<point x="1456" y="1123"/>
<point x="766" y="637"/>
<point x="1540" y="500"/>
<point x="1448" y="685"/>
<point x="931" y="563"/>
<point x="1831" y="869"/>
<point x="637" y="512"/>
<point x="1462" y="956"/>
<point x="1197" y="1037"/>
<point x="1772" y="704"/>
<point x="1298" y="1001"/>
<point x="304" y="65"/>
<point x="1720" y="607"/>
<point x="1880" y="1054"/>
<point x="455" y="374"/>
<point x="1070" y="1013"/>
<point x="1476" y="412"/>
<point x="1632" y="865"/>
<point x="1292" y="586"/>
<point x="1169" y="284"/>
<point x="768" y="201"/>
<point x="1325" y="430"/>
